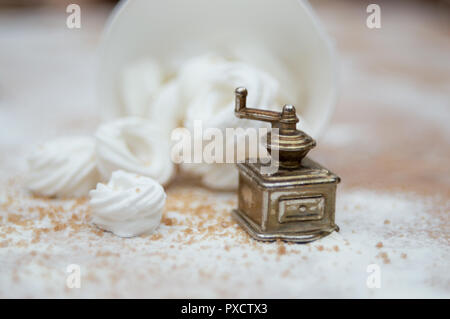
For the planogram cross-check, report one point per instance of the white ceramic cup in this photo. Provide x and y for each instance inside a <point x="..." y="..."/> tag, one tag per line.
<point x="282" y="37"/>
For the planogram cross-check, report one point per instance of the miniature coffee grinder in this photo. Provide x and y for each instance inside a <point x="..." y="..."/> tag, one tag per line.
<point x="295" y="202"/>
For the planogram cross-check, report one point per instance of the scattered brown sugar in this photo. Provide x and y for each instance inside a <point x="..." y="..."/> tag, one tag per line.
<point x="168" y="221"/>
<point x="60" y="227"/>
<point x="403" y="255"/>
<point x="387" y="221"/>
<point x="78" y="202"/>
<point x="106" y="254"/>
<point x="156" y="236"/>
<point x="9" y="230"/>
<point x="36" y="235"/>
<point x="14" y="218"/>
<point x="385" y="257"/>
<point x="195" y="216"/>
<point x="17" y="219"/>
<point x="281" y="250"/>
<point x="138" y="190"/>
<point x="97" y="231"/>
<point x="21" y="243"/>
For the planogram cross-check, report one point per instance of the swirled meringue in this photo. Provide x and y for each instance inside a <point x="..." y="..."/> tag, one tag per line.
<point x="206" y="86"/>
<point x="63" y="167"/>
<point x="165" y="112"/>
<point x="135" y="145"/>
<point x="202" y="89"/>
<point x="129" y="205"/>
<point x="146" y="92"/>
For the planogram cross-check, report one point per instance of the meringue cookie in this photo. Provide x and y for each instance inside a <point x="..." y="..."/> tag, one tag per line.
<point x="129" y="205"/>
<point x="135" y="145"/>
<point x="147" y="92"/>
<point x="206" y="86"/>
<point x="199" y="89"/>
<point x="165" y="111"/>
<point x="63" y="167"/>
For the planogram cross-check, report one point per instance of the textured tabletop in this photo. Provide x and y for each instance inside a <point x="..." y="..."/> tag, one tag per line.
<point x="389" y="141"/>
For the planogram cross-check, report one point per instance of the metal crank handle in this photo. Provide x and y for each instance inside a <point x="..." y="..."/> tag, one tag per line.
<point x="243" y="112"/>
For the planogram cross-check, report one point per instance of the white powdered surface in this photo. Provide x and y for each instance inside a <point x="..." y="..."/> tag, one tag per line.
<point x="199" y="252"/>
<point x="392" y="207"/>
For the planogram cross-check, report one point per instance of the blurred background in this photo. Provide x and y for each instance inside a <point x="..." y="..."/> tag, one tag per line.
<point x="389" y="131"/>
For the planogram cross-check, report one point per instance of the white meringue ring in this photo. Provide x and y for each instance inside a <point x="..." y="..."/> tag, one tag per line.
<point x="63" y="167"/>
<point x="206" y="86"/>
<point x="135" y="145"/>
